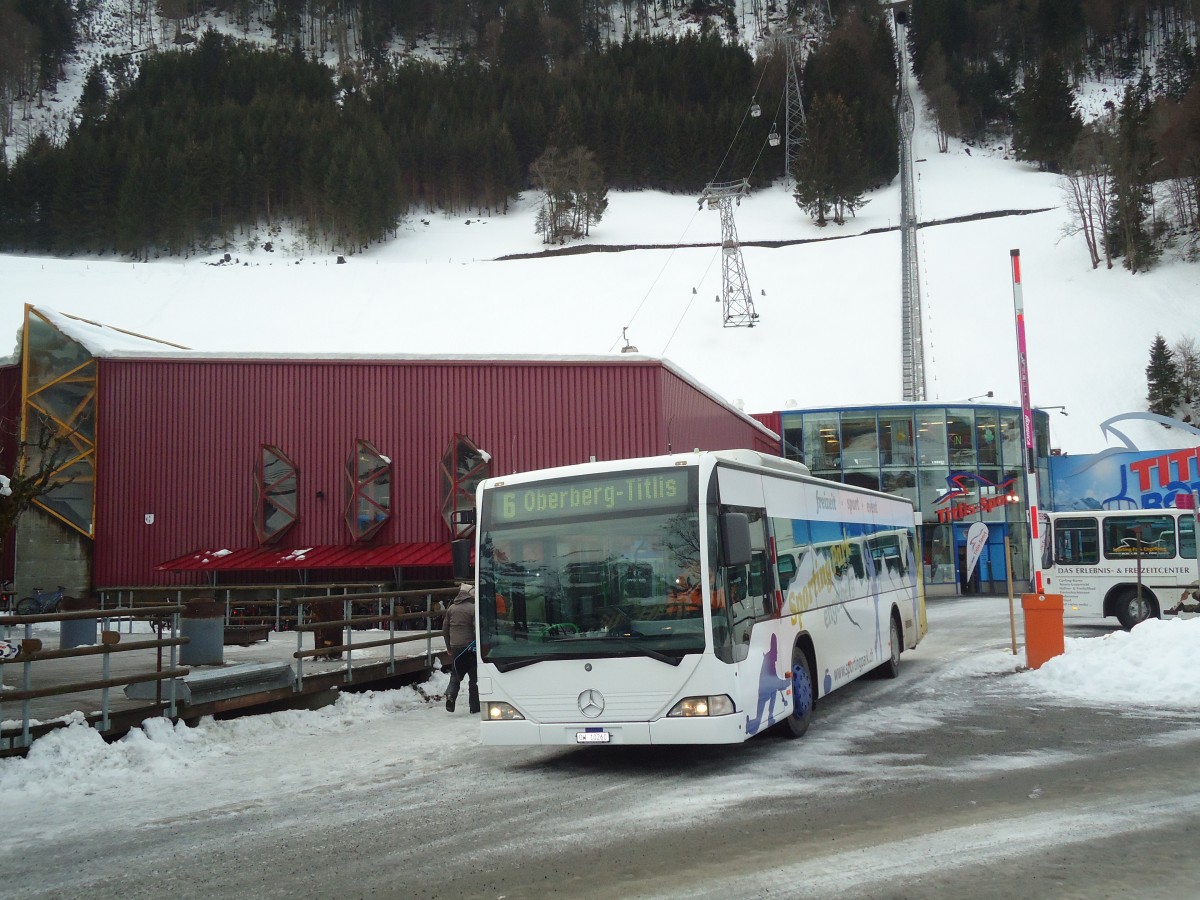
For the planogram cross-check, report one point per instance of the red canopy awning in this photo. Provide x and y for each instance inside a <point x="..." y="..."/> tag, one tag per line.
<point x="330" y="556"/>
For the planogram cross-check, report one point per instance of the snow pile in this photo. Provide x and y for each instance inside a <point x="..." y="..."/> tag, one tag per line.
<point x="1155" y="664"/>
<point x="69" y="758"/>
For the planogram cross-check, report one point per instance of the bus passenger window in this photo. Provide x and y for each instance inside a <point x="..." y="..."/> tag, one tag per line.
<point x="1145" y="536"/>
<point x="1187" y="537"/>
<point x="1076" y="542"/>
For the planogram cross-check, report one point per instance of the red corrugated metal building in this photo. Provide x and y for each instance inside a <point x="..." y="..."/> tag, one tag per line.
<point x="179" y="438"/>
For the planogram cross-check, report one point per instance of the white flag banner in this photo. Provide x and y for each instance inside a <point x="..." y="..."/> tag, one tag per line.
<point x="977" y="537"/>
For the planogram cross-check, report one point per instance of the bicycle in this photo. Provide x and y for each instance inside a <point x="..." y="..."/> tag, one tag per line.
<point x="41" y="602"/>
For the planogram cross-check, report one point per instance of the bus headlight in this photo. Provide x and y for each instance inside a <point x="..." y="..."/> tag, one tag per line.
<point x="720" y="705"/>
<point x="502" y="712"/>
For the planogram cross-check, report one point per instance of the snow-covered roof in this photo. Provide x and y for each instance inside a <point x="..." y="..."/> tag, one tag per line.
<point x="110" y="342"/>
<point x="105" y="340"/>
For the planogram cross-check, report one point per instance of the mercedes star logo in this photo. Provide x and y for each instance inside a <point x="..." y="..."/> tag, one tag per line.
<point x="591" y="703"/>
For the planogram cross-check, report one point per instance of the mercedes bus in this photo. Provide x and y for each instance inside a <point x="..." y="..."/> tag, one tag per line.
<point x="684" y="599"/>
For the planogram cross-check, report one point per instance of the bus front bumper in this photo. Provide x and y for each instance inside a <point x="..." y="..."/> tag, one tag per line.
<point x="729" y="729"/>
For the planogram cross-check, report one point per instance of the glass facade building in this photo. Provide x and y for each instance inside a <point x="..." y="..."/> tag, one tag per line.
<point x="958" y="463"/>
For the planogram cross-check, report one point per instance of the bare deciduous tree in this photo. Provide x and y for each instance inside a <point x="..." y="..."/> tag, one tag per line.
<point x="574" y="195"/>
<point x="1187" y="357"/>
<point x="1087" y="184"/>
<point x="34" y="470"/>
<point x="943" y="99"/>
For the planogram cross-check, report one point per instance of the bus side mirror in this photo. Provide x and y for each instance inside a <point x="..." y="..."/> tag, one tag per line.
<point x="460" y="559"/>
<point x="735" y="539"/>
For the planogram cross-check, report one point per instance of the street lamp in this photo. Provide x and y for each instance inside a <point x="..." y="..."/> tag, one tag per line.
<point x="977" y="396"/>
<point x="1061" y="409"/>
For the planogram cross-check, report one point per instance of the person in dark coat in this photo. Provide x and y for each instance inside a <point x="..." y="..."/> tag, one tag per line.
<point x="458" y="628"/>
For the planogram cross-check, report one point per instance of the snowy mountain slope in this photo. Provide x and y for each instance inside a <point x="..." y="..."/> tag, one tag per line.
<point x="829" y="305"/>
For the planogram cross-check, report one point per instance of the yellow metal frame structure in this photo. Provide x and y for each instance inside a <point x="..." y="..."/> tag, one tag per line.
<point x="58" y="389"/>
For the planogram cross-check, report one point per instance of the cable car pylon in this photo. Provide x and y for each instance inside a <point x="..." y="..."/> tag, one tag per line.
<point x="737" y="304"/>
<point x="793" y="123"/>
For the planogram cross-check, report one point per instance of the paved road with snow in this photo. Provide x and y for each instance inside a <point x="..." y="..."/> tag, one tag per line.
<point x="954" y="780"/>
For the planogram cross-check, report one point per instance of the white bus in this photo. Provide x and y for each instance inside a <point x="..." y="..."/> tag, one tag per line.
<point x="1133" y="564"/>
<point x="685" y="599"/>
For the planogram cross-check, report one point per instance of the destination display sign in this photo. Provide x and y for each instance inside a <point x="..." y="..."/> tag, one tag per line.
<point x="631" y="493"/>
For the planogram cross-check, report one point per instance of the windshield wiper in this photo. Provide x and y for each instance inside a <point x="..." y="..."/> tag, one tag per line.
<point x="649" y="651"/>
<point x="626" y="647"/>
<point x="509" y="664"/>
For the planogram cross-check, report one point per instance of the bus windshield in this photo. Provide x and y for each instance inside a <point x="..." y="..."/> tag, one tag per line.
<point x="607" y="567"/>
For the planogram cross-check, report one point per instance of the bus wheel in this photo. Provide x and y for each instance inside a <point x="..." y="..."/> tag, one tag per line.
<point x="1131" y="611"/>
<point x="890" y="667"/>
<point x="803" y="693"/>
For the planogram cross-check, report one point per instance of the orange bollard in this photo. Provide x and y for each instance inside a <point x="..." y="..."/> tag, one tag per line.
<point x="1044" y="637"/>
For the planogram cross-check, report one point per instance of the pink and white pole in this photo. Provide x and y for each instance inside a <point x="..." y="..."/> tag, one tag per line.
<point x="1031" y="472"/>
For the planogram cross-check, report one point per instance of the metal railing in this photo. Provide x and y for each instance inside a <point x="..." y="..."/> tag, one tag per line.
<point x="32" y="653"/>
<point x="349" y="620"/>
<point x="273" y="605"/>
<point x="348" y="609"/>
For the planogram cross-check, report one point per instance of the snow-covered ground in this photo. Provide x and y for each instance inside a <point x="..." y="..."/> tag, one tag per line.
<point x="265" y="761"/>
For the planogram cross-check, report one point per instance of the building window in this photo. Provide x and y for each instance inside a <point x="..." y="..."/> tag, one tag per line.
<point x="939" y="548"/>
<point x="992" y="495"/>
<point x="896" y="439"/>
<point x="860" y="440"/>
<point x="902" y="483"/>
<point x="793" y="438"/>
<point x="932" y="483"/>
<point x="1041" y="434"/>
<point x="1012" y="441"/>
<point x="823" y="444"/>
<point x="1015" y="479"/>
<point x="368" y="490"/>
<point x="464" y="465"/>
<point x="986" y="438"/>
<point x="275" y="482"/>
<point x="931" y="438"/>
<point x="959" y="428"/>
<point x="864" y="478"/>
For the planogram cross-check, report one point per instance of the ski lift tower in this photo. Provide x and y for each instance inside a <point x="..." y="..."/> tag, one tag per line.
<point x="738" y="306"/>
<point x="793" y="124"/>
<point x="912" y="347"/>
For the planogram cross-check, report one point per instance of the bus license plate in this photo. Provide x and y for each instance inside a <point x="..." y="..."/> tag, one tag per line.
<point x="592" y="737"/>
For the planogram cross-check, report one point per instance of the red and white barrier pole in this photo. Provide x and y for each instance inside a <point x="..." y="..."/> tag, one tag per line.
<point x="1031" y="471"/>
